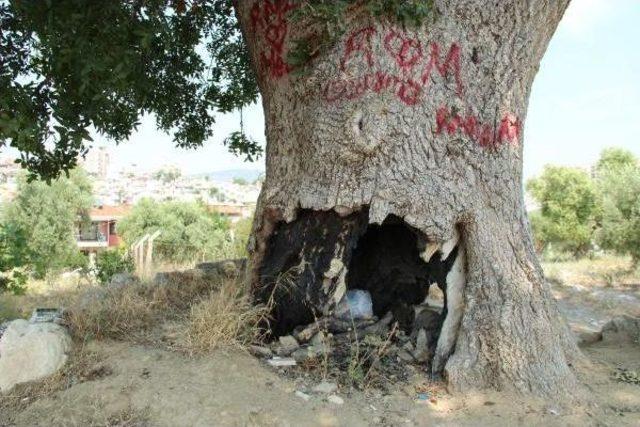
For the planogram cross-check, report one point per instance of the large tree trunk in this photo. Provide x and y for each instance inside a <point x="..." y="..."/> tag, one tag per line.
<point x="420" y="130"/>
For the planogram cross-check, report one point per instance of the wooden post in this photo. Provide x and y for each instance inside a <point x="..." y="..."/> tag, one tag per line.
<point x="149" y="260"/>
<point x="139" y="255"/>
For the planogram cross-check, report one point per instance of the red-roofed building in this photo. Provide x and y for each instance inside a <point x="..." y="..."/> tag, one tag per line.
<point x="101" y="232"/>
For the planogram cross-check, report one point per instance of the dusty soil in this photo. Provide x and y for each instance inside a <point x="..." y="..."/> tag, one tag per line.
<point x="125" y="384"/>
<point x="150" y="386"/>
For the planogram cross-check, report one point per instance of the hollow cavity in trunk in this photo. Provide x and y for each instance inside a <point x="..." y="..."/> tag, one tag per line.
<point x="311" y="263"/>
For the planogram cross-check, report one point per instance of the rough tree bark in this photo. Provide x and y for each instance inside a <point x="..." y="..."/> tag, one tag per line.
<point x="426" y="126"/>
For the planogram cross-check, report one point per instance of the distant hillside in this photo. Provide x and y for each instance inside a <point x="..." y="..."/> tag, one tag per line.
<point x="228" y="175"/>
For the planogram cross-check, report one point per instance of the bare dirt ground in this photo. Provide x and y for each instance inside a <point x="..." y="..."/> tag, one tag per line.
<point x="127" y="384"/>
<point x="150" y="386"/>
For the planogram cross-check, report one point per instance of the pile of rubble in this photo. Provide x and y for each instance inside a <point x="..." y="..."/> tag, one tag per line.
<point x="344" y="341"/>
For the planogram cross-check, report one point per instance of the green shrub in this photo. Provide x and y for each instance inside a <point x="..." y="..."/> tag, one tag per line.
<point x="566" y="219"/>
<point x="14" y="281"/>
<point x="111" y="262"/>
<point x="189" y="231"/>
<point x="618" y="179"/>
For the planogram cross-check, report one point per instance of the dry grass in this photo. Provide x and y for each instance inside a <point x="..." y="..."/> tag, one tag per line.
<point x="212" y="311"/>
<point x="226" y="317"/>
<point x="131" y="311"/>
<point x="607" y="271"/>
<point x="42" y="293"/>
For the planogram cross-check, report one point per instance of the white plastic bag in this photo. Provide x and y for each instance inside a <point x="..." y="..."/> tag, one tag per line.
<point x="356" y="304"/>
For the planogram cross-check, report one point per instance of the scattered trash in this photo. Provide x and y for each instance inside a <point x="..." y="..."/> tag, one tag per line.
<point x="553" y="411"/>
<point x="423" y="397"/>
<point x="279" y="362"/>
<point x="46" y="315"/>
<point x="356" y="304"/>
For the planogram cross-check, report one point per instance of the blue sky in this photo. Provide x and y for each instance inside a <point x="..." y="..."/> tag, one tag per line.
<point x="586" y="97"/>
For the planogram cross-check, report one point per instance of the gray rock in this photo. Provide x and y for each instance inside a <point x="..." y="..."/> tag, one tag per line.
<point x="119" y="280"/>
<point x="325" y="387"/>
<point x="227" y="268"/>
<point x="319" y="339"/>
<point x="31" y="351"/>
<point x="622" y="328"/>
<point x="405" y="356"/>
<point x="287" y="345"/>
<point x="422" y="353"/>
<point x="310" y="352"/>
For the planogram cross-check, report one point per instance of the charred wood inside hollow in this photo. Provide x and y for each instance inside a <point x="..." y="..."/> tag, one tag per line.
<point x="311" y="263"/>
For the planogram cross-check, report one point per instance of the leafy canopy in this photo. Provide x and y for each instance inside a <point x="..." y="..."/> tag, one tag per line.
<point x="69" y="66"/>
<point x="46" y="217"/>
<point x="567" y="198"/>
<point x="618" y="182"/>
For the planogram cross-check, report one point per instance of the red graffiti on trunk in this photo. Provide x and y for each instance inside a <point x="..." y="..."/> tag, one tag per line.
<point x="483" y="134"/>
<point x="407" y="79"/>
<point x="269" y="17"/>
<point x="408" y="91"/>
<point x="359" y="42"/>
<point x="407" y="51"/>
<point x="451" y="61"/>
<point x="412" y="70"/>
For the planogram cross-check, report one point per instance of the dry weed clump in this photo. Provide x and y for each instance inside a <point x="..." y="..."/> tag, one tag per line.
<point x="226" y="317"/>
<point x="120" y="312"/>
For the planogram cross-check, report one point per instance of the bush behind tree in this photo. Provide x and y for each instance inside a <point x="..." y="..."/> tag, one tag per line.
<point x="111" y="262"/>
<point x="189" y="231"/>
<point x="566" y="219"/>
<point x="578" y="210"/>
<point x="618" y="183"/>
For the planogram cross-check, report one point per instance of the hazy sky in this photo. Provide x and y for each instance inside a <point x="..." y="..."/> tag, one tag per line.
<point x="586" y="97"/>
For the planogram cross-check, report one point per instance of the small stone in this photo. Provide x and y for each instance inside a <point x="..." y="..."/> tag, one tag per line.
<point x="309" y="352"/>
<point x="303" y="396"/>
<point x="337" y="400"/>
<point x="405" y="356"/>
<point x="421" y="353"/>
<point x="325" y="387"/>
<point x="319" y="339"/>
<point x="408" y="346"/>
<point x="288" y="345"/>
<point x="260" y="351"/>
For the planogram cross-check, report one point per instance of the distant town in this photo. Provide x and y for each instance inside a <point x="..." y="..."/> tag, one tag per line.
<point x="231" y="193"/>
